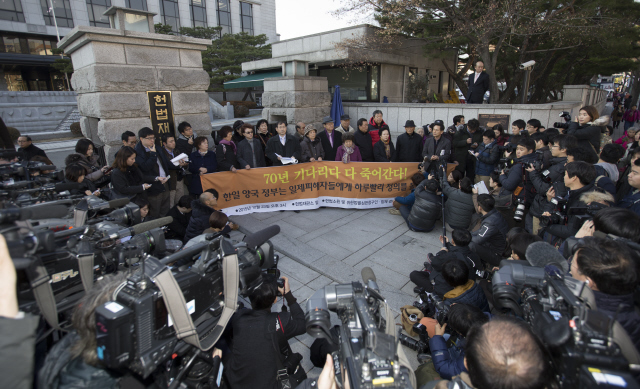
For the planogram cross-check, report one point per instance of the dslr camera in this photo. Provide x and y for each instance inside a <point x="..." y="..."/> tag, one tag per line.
<point x="567" y="119"/>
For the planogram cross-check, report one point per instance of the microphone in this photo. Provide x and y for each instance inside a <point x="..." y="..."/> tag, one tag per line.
<point x="10" y="154"/>
<point x="18" y="185"/>
<point x="67" y="186"/>
<point x="43" y="167"/>
<point x="540" y="254"/>
<point x="35" y="213"/>
<point x="117" y="203"/>
<point x="140" y="228"/>
<point x="369" y="278"/>
<point x="256" y="239"/>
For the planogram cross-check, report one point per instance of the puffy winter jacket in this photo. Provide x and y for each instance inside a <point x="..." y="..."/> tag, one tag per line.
<point x="487" y="159"/>
<point x="470" y="293"/>
<point x="573" y="201"/>
<point x="627" y="317"/>
<point x="519" y="176"/>
<point x="90" y="165"/>
<point x="458" y="209"/>
<point x="311" y="149"/>
<point x="440" y="286"/>
<point x="426" y="209"/>
<point x="443" y="361"/>
<point x="199" y="221"/>
<point x="492" y="233"/>
<point x="631" y="201"/>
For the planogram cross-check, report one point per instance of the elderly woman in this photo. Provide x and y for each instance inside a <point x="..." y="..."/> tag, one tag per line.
<point x="311" y="146"/>
<point x="203" y="161"/>
<point x="348" y="151"/>
<point x="226" y="152"/>
<point x="628" y="138"/>
<point x="383" y="150"/>
<point x="85" y="157"/>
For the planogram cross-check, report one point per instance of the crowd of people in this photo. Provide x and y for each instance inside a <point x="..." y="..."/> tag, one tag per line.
<point x="499" y="194"/>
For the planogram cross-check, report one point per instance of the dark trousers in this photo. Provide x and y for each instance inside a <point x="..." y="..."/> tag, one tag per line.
<point x="159" y="204"/>
<point x="470" y="168"/>
<point x="421" y="279"/>
<point x="486" y="254"/>
<point x="405" y="211"/>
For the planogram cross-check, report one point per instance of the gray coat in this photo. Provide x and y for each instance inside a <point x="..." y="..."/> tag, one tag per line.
<point x="459" y="207"/>
<point x="443" y="150"/>
<point x="426" y="210"/>
<point x="311" y="149"/>
<point x="244" y="154"/>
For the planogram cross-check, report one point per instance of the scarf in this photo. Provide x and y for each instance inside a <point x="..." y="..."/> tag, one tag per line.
<point x="229" y="143"/>
<point x="203" y="153"/>
<point x="347" y="152"/>
<point x="387" y="148"/>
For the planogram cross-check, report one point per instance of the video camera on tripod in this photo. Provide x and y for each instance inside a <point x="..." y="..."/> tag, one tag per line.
<point x="369" y="354"/>
<point x="580" y="340"/>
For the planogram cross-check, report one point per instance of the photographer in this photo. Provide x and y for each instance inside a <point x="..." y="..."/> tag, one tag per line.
<point x="518" y="176"/>
<point x="543" y="154"/>
<point x="458" y="209"/>
<point x="426" y="209"/>
<point x="488" y="155"/>
<point x="489" y="241"/>
<point x="463" y="141"/>
<point x="579" y="178"/>
<point x="610" y="269"/>
<point x="431" y="280"/>
<point x="449" y="360"/>
<point x="464" y="290"/>
<point x="517" y="129"/>
<point x="588" y="129"/>
<point x="252" y="363"/>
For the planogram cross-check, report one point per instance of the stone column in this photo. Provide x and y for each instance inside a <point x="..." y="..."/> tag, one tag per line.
<point x="114" y="69"/>
<point x="296" y="99"/>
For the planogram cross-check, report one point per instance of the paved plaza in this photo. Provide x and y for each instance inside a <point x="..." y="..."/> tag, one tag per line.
<point x="332" y="245"/>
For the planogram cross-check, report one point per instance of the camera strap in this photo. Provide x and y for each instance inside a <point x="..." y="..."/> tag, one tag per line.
<point x="41" y="287"/>
<point x="85" y="268"/>
<point x="177" y="306"/>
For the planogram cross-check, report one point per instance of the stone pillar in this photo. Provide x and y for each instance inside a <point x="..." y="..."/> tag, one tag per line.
<point x="114" y="69"/>
<point x="296" y="99"/>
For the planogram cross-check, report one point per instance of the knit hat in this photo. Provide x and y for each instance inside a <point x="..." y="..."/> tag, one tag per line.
<point x="309" y="128"/>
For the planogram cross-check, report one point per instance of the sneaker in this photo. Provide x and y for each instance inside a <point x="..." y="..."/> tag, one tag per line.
<point x="394" y="211"/>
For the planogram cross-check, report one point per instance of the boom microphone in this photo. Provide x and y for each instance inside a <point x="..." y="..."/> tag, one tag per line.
<point x="369" y="278"/>
<point x="43" y="167"/>
<point x="117" y="203"/>
<point x="37" y="213"/>
<point x="256" y="239"/>
<point x="67" y="186"/>
<point x="540" y="254"/>
<point x="142" y="227"/>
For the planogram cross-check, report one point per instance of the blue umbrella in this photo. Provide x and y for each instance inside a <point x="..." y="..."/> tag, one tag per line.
<point x="336" y="107"/>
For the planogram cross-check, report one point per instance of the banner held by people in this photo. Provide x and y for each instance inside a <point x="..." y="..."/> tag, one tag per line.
<point x="357" y="185"/>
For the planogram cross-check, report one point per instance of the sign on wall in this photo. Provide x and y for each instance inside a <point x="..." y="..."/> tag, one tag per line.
<point x="488" y="120"/>
<point x="161" y="109"/>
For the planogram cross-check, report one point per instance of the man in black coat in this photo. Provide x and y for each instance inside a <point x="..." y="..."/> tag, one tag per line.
<point x="184" y="141"/>
<point x="330" y="139"/>
<point x="284" y="145"/>
<point x="151" y="163"/>
<point x="181" y="213"/>
<point x="437" y="149"/>
<point x="201" y="210"/>
<point x="29" y="149"/>
<point x="478" y="85"/>
<point x="363" y="141"/>
<point x="489" y="241"/>
<point x="409" y="144"/>
<point x="249" y="150"/>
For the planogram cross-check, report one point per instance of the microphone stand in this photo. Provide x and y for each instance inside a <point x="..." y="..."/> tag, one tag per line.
<point x="444" y="228"/>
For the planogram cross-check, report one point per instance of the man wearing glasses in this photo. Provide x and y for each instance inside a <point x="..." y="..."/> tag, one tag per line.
<point x="151" y="164"/>
<point x="29" y="150"/>
<point x="250" y="152"/>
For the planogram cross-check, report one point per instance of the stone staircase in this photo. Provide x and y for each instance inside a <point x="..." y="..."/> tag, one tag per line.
<point x="72" y="117"/>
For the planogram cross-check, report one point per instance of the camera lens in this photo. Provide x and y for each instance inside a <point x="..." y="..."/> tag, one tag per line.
<point x="519" y="213"/>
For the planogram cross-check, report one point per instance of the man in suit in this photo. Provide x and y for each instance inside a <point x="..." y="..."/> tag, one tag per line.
<point x="330" y="139"/>
<point x="478" y="84"/>
<point x="437" y="148"/>
<point x="151" y="163"/>
<point x="283" y="145"/>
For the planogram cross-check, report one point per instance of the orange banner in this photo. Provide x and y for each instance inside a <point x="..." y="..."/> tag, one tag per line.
<point x="310" y="186"/>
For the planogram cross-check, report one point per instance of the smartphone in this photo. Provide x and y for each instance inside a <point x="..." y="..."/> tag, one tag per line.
<point x="109" y="170"/>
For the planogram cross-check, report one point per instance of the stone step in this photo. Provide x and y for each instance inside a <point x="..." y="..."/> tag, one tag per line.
<point x="72" y="117"/>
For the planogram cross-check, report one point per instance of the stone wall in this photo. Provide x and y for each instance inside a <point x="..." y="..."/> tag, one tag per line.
<point x="297" y="99"/>
<point x="36" y="112"/>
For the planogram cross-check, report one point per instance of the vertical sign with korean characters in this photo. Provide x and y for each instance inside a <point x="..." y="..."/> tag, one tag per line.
<point x="161" y="112"/>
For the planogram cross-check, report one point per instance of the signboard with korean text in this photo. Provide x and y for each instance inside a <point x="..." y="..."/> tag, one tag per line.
<point x="161" y="109"/>
<point x="357" y="185"/>
<point x="488" y="120"/>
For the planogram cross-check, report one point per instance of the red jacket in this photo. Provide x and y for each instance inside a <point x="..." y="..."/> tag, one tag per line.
<point x="374" y="130"/>
<point x="632" y="116"/>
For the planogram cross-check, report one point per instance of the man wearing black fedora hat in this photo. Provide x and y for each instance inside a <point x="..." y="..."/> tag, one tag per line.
<point x="409" y="144"/>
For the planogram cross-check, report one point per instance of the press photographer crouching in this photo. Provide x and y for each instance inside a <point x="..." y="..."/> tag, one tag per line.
<point x="259" y="338"/>
<point x="489" y="241"/>
<point x="426" y="210"/>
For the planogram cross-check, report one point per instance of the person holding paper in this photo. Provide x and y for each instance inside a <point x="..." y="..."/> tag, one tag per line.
<point x="488" y="155"/>
<point x="436" y="149"/>
<point x="282" y="146"/>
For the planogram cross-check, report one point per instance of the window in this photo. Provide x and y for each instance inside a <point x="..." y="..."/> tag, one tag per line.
<point x="137" y="4"/>
<point x="224" y="16"/>
<point x="356" y="86"/>
<point x="11" y="44"/>
<point x="19" y="44"/>
<point x="198" y="13"/>
<point x="11" y="10"/>
<point x="246" y="17"/>
<point x="96" y="8"/>
<point x="170" y="14"/>
<point x="62" y="10"/>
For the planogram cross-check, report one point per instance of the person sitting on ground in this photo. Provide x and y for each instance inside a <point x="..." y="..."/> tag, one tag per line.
<point x="383" y="150"/>
<point x="218" y="222"/>
<point x="348" y="151"/>
<point x="426" y="209"/>
<point x="449" y="360"/>
<point x="610" y="269"/>
<point x="431" y="280"/>
<point x="454" y="178"/>
<point x="201" y="210"/>
<point x="181" y="214"/>
<point x="311" y="145"/>
<point x="409" y="199"/>
<point x="202" y="161"/>
<point x="249" y="150"/>
<point x="489" y="240"/>
<point x="76" y="173"/>
<point x="85" y="156"/>
<point x="463" y="289"/>
<point x="458" y="209"/>
<point x="144" y="206"/>
<point x="226" y="152"/>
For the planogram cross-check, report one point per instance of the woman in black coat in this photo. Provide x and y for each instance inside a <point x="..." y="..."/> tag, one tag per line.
<point x="383" y="151"/>
<point x="126" y="178"/>
<point x="588" y="130"/>
<point x="226" y="152"/>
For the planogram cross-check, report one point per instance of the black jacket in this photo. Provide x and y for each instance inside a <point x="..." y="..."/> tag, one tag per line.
<point x="627" y="317"/>
<point x="409" y="148"/>
<point x="174" y="171"/>
<point x="380" y="154"/>
<point x="311" y="149"/>
<point x="129" y="183"/>
<point x="573" y="201"/>
<point x="588" y="136"/>
<point x="478" y="88"/>
<point x="330" y="152"/>
<point x="519" y="176"/>
<point x="540" y="204"/>
<point x="245" y="153"/>
<point x="290" y="149"/>
<point x="183" y="146"/>
<point x="363" y="141"/>
<point x="492" y="233"/>
<point x="226" y="158"/>
<point x="441" y="257"/>
<point x="430" y="149"/>
<point x="178" y="227"/>
<point x="459" y="208"/>
<point x="604" y="182"/>
<point x="426" y="209"/>
<point x="18" y="351"/>
<point x="252" y="362"/>
<point x="31" y="151"/>
<point x="147" y="162"/>
<point x="199" y="220"/>
<point x="461" y="147"/>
